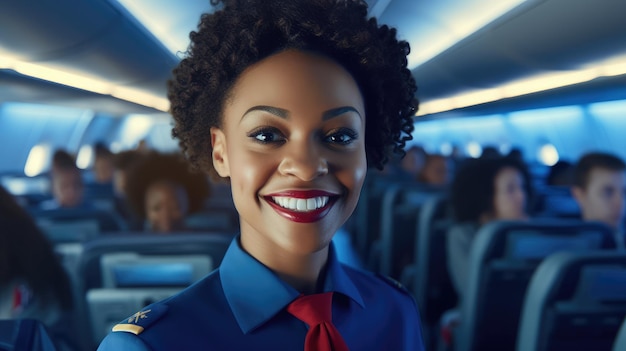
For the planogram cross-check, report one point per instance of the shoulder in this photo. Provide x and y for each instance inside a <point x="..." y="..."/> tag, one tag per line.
<point x="125" y="334"/>
<point x="166" y="314"/>
<point x="462" y="232"/>
<point x="138" y="322"/>
<point x="378" y="284"/>
<point x="122" y="341"/>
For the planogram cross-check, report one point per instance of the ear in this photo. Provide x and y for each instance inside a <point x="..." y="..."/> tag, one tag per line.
<point x="220" y="154"/>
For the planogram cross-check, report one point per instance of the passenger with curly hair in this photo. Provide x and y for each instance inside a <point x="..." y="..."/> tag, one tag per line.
<point x="290" y="101"/>
<point x="161" y="189"/>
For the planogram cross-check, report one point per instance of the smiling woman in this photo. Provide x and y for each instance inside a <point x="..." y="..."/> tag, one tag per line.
<point x="290" y="104"/>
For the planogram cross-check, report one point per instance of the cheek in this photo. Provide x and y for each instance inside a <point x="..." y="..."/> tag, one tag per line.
<point x="249" y="171"/>
<point x="351" y="170"/>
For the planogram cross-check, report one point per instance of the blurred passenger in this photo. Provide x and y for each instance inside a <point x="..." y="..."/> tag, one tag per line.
<point x="33" y="284"/>
<point x="162" y="190"/>
<point x="600" y="190"/>
<point x="483" y="190"/>
<point x="122" y="164"/>
<point x="561" y="174"/>
<point x="66" y="182"/>
<point x="413" y="161"/>
<point x="103" y="164"/>
<point x="62" y="159"/>
<point x="436" y="170"/>
<point x="490" y="152"/>
<point x="516" y="153"/>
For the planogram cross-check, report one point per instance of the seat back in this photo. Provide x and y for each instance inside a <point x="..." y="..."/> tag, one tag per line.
<point x="108" y="221"/>
<point x="99" y="195"/>
<point x="556" y="202"/>
<point x="107" y="307"/>
<point x="222" y="219"/>
<point x="366" y="219"/>
<point x="399" y="218"/>
<point x="620" y="340"/>
<point x="503" y="257"/>
<point x="130" y="269"/>
<point x="575" y="301"/>
<point x="69" y="231"/>
<point x="24" y="334"/>
<point x="431" y="283"/>
<point x="122" y="273"/>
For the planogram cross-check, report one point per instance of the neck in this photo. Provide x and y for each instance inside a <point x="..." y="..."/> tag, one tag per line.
<point x="302" y="271"/>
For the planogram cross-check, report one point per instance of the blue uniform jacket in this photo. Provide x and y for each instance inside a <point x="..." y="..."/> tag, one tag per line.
<point x="241" y="306"/>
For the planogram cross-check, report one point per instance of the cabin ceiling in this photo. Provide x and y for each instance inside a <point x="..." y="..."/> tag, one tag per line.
<point x="101" y="39"/>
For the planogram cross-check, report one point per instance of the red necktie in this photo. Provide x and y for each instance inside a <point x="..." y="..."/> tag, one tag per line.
<point x="316" y="311"/>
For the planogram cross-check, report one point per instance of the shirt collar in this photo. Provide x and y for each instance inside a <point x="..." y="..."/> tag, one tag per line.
<point x="255" y="293"/>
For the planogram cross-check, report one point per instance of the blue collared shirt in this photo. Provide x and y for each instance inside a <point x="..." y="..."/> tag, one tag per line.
<point x="242" y="306"/>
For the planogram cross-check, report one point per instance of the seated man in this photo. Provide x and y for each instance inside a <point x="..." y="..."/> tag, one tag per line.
<point x="600" y="189"/>
<point x="66" y="183"/>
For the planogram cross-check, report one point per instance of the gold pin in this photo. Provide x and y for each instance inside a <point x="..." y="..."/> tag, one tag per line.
<point x="137" y="316"/>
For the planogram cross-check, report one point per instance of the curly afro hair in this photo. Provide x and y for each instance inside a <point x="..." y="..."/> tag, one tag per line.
<point x="245" y="32"/>
<point x="155" y="167"/>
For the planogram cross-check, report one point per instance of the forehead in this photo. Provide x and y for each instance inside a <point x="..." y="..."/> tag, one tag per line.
<point x="508" y="173"/>
<point x="66" y="175"/>
<point x="295" y="80"/>
<point x="603" y="176"/>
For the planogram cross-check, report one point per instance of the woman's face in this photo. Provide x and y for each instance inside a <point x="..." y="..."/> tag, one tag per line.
<point x="509" y="201"/>
<point x="166" y="206"/>
<point x="292" y="143"/>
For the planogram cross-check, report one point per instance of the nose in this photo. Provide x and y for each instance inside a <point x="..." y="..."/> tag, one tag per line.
<point x="303" y="161"/>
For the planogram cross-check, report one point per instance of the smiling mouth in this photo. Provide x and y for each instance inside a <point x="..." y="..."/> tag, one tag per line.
<point x="302" y="207"/>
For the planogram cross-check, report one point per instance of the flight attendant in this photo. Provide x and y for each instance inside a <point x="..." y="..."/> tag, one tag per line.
<point x="290" y="101"/>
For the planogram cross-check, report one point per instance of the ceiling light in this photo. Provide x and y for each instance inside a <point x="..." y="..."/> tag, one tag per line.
<point x="85" y="83"/>
<point x="534" y="84"/>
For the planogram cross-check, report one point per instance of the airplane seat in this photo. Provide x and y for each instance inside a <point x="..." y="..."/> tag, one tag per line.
<point x="122" y="273"/>
<point x="211" y="219"/>
<point x="67" y="239"/>
<point x="70" y="231"/>
<point x="366" y="216"/>
<point x="213" y="244"/>
<point x="503" y="258"/>
<point x="24" y="334"/>
<point x="399" y="218"/>
<point x="132" y="281"/>
<point x="100" y="195"/>
<point x="620" y="340"/>
<point x="29" y="192"/>
<point x="556" y="202"/>
<point x="575" y="301"/>
<point x="428" y="276"/>
<point x="108" y="221"/>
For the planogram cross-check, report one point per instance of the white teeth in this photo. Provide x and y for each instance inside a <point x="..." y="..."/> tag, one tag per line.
<point x="301" y="205"/>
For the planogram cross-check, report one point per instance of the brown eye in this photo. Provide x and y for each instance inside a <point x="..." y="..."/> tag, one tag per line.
<point x="267" y="135"/>
<point x="343" y="136"/>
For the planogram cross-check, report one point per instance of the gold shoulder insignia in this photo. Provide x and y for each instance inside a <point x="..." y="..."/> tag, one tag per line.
<point x="139" y="321"/>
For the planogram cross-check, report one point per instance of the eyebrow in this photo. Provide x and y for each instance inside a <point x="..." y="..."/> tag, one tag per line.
<point x="282" y="113"/>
